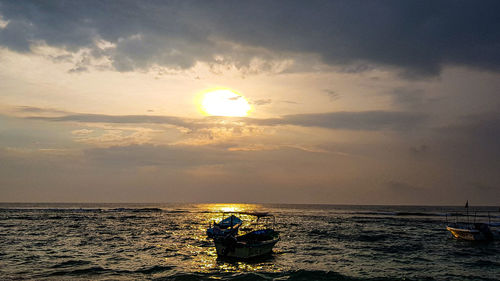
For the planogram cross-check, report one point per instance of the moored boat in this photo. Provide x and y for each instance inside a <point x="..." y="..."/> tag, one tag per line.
<point x="474" y="231"/>
<point x="256" y="243"/>
<point x="471" y="231"/>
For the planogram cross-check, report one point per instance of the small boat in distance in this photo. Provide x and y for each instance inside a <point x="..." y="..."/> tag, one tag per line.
<point x="256" y="243"/>
<point x="473" y="231"/>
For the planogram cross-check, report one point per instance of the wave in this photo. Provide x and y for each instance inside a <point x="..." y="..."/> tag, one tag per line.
<point x="70" y="263"/>
<point x="51" y="210"/>
<point x="97" y="270"/>
<point x="153" y="269"/>
<point x="136" y="210"/>
<point x="298" y="275"/>
<point x="169" y="273"/>
<point x="413" y="214"/>
<point x="372" y="237"/>
<point x="485" y="263"/>
<point x="83" y="271"/>
<point x="84" y="210"/>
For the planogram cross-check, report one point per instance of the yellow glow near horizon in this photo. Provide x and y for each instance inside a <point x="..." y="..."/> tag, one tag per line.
<point x="229" y="207"/>
<point x="224" y="102"/>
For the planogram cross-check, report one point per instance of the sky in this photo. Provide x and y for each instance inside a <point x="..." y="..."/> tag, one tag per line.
<point x="351" y="102"/>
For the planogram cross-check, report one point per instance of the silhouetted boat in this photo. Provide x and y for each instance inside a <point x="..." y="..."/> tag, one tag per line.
<point x="256" y="243"/>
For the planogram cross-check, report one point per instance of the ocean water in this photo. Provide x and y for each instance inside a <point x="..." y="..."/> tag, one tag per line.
<point x="168" y="242"/>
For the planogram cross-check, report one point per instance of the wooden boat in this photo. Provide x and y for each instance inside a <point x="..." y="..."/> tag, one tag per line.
<point x="473" y="231"/>
<point x="256" y="243"/>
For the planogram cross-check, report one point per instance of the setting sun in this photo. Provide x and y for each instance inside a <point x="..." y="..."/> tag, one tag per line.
<point x="224" y="102"/>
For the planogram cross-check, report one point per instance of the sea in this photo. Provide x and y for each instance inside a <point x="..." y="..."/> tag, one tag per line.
<point x="168" y="242"/>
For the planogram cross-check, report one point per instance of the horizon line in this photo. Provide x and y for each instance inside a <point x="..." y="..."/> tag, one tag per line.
<point x="255" y="203"/>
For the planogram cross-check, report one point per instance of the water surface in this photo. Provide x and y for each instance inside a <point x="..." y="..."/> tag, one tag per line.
<point x="168" y="242"/>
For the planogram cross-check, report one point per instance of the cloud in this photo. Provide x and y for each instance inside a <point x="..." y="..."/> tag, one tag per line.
<point x="480" y="127"/>
<point x="151" y="155"/>
<point x="362" y="120"/>
<point x="115" y="137"/>
<point x="481" y="187"/>
<point x="419" y="150"/>
<point x="262" y="101"/>
<point x="82" y="132"/>
<point x="333" y="95"/>
<point x="406" y="193"/>
<point x="477" y="135"/>
<point x="39" y="110"/>
<point x="360" y="170"/>
<point x="289" y="102"/>
<point x="419" y="38"/>
<point x="408" y="97"/>
<point x="121" y="119"/>
<point x="3" y="23"/>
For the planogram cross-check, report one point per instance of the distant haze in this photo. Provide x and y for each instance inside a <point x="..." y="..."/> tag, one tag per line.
<point x="353" y="102"/>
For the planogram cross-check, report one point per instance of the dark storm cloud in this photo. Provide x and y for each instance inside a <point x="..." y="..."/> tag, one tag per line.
<point x="418" y="37"/>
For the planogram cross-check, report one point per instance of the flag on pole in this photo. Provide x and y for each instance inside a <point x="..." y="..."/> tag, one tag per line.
<point x="467" y="204"/>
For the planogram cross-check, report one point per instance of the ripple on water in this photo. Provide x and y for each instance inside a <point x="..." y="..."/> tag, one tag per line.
<point x="168" y="243"/>
<point x="94" y="270"/>
<point x="153" y="269"/>
<point x="71" y="263"/>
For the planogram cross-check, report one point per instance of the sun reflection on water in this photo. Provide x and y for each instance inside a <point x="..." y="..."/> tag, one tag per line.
<point x="229" y="207"/>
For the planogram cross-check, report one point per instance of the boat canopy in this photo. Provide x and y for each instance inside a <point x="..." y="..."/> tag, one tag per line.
<point x="230" y="221"/>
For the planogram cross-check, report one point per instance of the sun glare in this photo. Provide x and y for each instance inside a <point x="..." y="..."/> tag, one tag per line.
<point x="224" y="102"/>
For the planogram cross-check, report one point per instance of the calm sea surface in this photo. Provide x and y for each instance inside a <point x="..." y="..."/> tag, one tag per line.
<point x="168" y="242"/>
